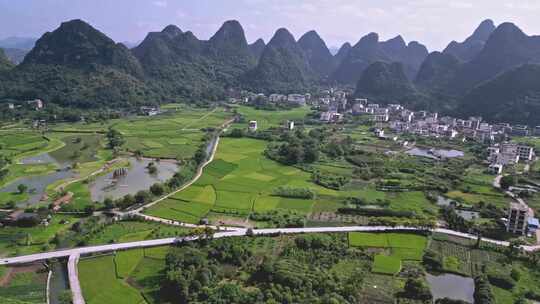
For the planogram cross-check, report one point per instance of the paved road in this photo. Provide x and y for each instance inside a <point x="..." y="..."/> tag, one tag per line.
<point x="73" y="275"/>
<point x="236" y="232"/>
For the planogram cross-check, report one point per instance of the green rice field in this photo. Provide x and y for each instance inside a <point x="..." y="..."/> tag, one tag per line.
<point x="239" y="181"/>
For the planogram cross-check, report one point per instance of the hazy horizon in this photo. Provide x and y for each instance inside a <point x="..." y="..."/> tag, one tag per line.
<point x="432" y="22"/>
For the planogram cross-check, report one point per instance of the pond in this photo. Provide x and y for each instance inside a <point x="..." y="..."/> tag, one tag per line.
<point x="136" y="178"/>
<point x="44" y="158"/>
<point x="38" y="184"/>
<point x="435" y="153"/>
<point x="451" y="286"/>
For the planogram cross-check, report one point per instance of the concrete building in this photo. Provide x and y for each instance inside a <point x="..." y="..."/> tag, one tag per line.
<point x="149" y="111"/>
<point x="507" y="158"/>
<point x="532" y="225"/>
<point x="331" y="116"/>
<point x="289" y="125"/>
<point x="519" y="130"/>
<point x="518" y="218"/>
<point x="357" y="108"/>
<point x="277" y="98"/>
<point x="536" y="131"/>
<point x="36" y="103"/>
<point x="475" y="122"/>
<point x="495" y="169"/>
<point x="407" y="116"/>
<point x="252" y="125"/>
<point x="297" y="99"/>
<point x="381" y="117"/>
<point x="525" y="153"/>
<point x="492" y="153"/>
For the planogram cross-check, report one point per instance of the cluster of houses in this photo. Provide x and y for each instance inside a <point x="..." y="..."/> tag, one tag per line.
<point x="508" y="154"/>
<point x="36" y="104"/>
<point x="290" y="99"/>
<point x="401" y="120"/>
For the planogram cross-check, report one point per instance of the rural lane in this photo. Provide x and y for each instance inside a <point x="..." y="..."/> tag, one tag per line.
<point x="73" y="275"/>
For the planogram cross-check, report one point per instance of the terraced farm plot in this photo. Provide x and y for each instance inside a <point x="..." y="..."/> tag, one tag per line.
<point x="173" y="209"/>
<point x="387" y="240"/>
<point x="403" y="246"/>
<point x="267" y="119"/>
<point x="25" y="285"/>
<point x="172" y="135"/>
<point x="14" y="142"/>
<point x="239" y="181"/>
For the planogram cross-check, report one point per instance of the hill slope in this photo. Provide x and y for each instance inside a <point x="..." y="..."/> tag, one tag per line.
<point x="5" y="63"/>
<point x="506" y="48"/>
<point x="318" y="55"/>
<point x="513" y="97"/>
<point x="387" y="83"/>
<point x="76" y="65"/>
<point x="474" y="44"/>
<point x="369" y="50"/>
<point x="283" y="67"/>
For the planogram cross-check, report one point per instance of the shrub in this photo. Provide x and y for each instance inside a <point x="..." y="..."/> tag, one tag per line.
<point x="304" y="193"/>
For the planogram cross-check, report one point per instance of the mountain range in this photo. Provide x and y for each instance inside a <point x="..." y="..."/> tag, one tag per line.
<point x="79" y="66"/>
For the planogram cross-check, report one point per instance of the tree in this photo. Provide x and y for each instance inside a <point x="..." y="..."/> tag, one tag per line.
<point x="142" y="197"/>
<point x="152" y="169"/>
<point x="514" y="248"/>
<point x="89" y="209"/>
<point x="115" y="138"/>
<point x="237" y="133"/>
<point x="416" y="289"/>
<point x="482" y="291"/>
<point x="508" y="181"/>
<point x="22" y="188"/>
<point x="109" y="203"/>
<point x="157" y="189"/>
<point x="432" y="260"/>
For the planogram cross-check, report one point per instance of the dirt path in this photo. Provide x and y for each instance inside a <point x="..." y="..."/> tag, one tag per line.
<point x="198" y="174"/>
<point x="99" y="171"/>
<point x="185" y="128"/>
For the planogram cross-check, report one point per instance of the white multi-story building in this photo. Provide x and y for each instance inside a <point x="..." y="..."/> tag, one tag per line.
<point x="525" y="153"/>
<point x="407" y="116"/>
<point x="381" y="117"/>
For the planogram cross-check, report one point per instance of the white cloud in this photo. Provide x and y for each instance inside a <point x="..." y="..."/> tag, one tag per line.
<point x="160" y="3"/>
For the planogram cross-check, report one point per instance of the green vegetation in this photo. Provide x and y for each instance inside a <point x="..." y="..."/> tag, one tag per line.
<point x="100" y="284"/>
<point x="398" y="247"/>
<point x="239" y="181"/>
<point x="386" y="264"/>
<point x="24" y="285"/>
<point x="269" y="119"/>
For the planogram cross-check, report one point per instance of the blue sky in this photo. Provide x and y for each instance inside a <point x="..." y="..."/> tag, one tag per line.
<point x="432" y="22"/>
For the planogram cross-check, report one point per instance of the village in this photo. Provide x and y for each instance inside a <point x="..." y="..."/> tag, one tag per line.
<point x="394" y="120"/>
